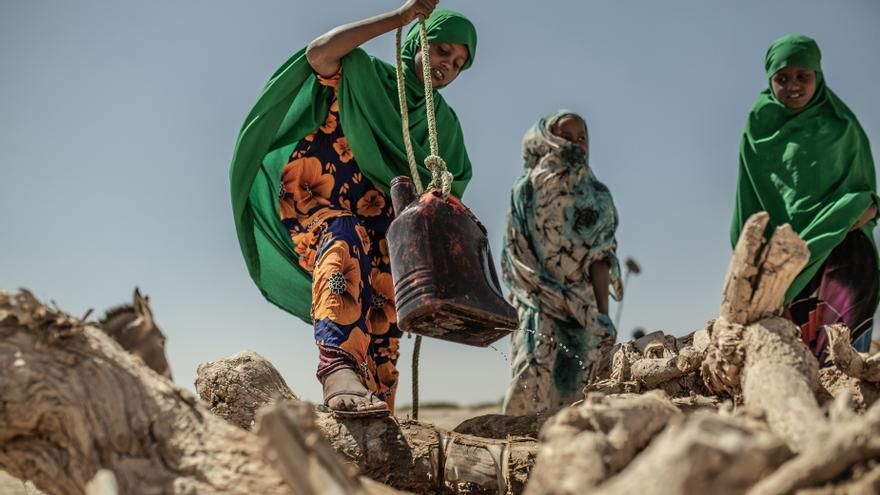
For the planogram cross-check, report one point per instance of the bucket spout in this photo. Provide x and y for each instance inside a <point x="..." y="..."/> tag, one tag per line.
<point x="402" y="193"/>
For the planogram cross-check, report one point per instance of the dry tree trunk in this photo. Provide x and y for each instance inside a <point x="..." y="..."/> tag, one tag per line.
<point x="235" y="387"/>
<point x="760" y="357"/>
<point x="848" y="359"/>
<point x="754" y="354"/>
<point x="655" y="361"/>
<point x="585" y="444"/>
<point x="852" y="440"/>
<point x="79" y="415"/>
<point x="297" y="448"/>
<point x="406" y="455"/>
<point x="74" y="402"/>
<point x="860" y="394"/>
<point x="699" y="454"/>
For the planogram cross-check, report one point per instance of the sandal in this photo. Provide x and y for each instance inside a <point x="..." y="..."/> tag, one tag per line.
<point x="366" y="413"/>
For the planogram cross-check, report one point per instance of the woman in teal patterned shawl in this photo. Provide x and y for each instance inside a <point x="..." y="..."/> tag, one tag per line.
<point x="559" y="260"/>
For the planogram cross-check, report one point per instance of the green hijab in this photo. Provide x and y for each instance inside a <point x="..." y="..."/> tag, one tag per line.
<point x="293" y="104"/>
<point x="811" y="168"/>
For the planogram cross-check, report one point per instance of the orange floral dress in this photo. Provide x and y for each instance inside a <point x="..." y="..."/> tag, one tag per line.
<point x="337" y="219"/>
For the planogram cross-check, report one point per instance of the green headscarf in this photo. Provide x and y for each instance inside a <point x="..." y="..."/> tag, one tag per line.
<point x="811" y="168"/>
<point x="293" y="104"/>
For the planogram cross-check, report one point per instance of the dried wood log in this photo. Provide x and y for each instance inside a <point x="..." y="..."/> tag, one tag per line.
<point x="848" y="359"/>
<point x="584" y="445"/>
<point x="75" y="402"/>
<point x="236" y="387"/>
<point x="699" y="454"/>
<point x="835" y="450"/>
<point x="406" y="455"/>
<point x="859" y="394"/>
<point x="299" y="452"/>
<point x="654" y="361"/>
<point x="780" y="377"/>
<point x="867" y="483"/>
<point x="739" y="284"/>
<point x="759" y="357"/>
<point x="653" y="372"/>
<point x="104" y="482"/>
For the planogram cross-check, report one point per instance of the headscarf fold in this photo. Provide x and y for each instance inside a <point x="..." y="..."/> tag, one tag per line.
<point x="536" y="258"/>
<point x="293" y="104"/>
<point x="811" y="168"/>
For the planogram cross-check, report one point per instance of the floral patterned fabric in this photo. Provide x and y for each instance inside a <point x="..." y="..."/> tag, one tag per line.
<point x="337" y="219"/>
<point x="562" y="219"/>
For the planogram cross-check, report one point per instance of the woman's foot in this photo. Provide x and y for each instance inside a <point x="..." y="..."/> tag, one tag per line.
<point x="344" y="392"/>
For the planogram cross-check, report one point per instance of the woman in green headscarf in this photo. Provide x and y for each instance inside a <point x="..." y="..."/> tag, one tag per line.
<point x="310" y="179"/>
<point x="805" y="160"/>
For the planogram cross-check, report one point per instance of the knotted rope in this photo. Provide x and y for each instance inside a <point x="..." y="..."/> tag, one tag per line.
<point x="440" y="177"/>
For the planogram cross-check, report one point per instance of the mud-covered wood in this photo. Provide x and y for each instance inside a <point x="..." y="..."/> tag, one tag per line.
<point x="584" y="445"/>
<point x="298" y="450"/>
<point x="235" y="387"/>
<point x="846" y="358"/>
<point x="704" y="453"/>
<point x="759" y="358"/>
<point x="835" y="450"/>
<point x="406" y="455"/>
<point x="74" y="402"/>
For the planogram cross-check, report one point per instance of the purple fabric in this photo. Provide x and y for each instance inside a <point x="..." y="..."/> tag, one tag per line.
<point x="331" y="359"/>
<point x="844" y="291"/>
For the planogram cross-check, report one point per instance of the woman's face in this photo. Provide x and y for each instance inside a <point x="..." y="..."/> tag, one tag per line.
<point x="794" y="86"/>
<point x="572" y="129"/>
<point x="447" y="59"/>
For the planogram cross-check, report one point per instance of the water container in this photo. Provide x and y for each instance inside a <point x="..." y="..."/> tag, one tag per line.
<point x="445" y="283"/>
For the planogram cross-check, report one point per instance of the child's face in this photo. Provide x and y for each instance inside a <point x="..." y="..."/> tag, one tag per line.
<point x="794" y="86"/>
<point x="572" y="129"/>
<point x="447" y="59"/>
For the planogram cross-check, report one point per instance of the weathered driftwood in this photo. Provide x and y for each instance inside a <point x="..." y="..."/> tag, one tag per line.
<point x="699" y="454"/>
<point x="298" y="450"/>
<point x="406" y="455"/>
<point x="104" y="483"/>
<point x="859" y="394"/>
<point x="236" y="387"/>
<point x="866" y="481"/>
<point x="749" y="344"/>
<point x="655" y="361"/>
<point x="834" y="450"/>
<point x="848" y="359"/>
<point x="75" y="402"/>
<point x="584" y="445"/>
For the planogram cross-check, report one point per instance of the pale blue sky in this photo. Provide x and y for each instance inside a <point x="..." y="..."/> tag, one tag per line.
<point x="118" y="118"/>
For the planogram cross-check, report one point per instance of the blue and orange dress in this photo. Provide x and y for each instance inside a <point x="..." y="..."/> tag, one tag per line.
<point x="337" y="219"/>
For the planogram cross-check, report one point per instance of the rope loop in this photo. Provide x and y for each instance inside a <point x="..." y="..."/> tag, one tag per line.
<point x="441" y="178"/>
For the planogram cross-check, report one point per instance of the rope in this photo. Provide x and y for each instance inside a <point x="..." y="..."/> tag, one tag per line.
<point x="404" y="118"/>
<point x="415" y="377"/>
<point x="440" y="177"/>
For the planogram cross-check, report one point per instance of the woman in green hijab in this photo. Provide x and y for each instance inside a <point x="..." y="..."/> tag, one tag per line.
<point x="805" y="160"/>
<point x="310" y="180"/>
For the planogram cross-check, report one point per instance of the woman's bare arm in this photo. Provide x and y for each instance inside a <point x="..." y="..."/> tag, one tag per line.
<point x="325" y="52"/>
<point x="600" y="278"/>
